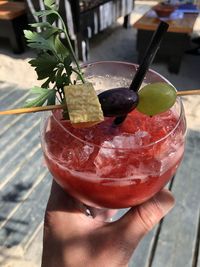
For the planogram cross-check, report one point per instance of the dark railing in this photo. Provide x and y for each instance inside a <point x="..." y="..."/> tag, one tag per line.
<point x="86" y="18"/>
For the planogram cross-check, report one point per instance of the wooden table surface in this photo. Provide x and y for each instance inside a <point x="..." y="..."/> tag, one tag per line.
<point x="10" y="10"/>
<point x="25" y="184"/>
<point x="181" y="25"/>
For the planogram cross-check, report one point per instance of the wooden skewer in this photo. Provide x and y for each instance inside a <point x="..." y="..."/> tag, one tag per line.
<point x="51" y="107"/>
<point x="188" y="92"/>
<point x="32" y="109"/>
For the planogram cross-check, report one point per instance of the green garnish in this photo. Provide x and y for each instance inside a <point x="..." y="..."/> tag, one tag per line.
<point x="55" y="61"/>
<point x="156" y="98"/>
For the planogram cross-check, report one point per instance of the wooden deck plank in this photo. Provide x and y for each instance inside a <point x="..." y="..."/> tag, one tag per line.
<point x="22" y="224"/>
<point x="13" y="98"/>
<point x="33" y="249"/>
<point x="197" y="259"/>
<point x="176" y="244"/>
<point x="142" y="253"/>
<point x="13" y="121"/>
<point x="15" y="158"/>
<point x="20" y="186"/>
<point x="24" y="136"/>
<point x="21" y="171"/>
<point x="9" y="101"/>
<point x="17" y="130"/>
<point x="5" y="119"/>
<point x="5" y="91"/>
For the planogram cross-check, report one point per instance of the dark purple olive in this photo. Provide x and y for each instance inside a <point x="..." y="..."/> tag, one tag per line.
<point x="118" y="102"/>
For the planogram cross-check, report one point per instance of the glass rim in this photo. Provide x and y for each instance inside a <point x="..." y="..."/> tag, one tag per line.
<point x="85" y="65"/>
<point x="178" y="99"/>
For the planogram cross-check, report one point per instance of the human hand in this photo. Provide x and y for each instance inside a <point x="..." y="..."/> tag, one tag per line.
<point x="72" y="239"/>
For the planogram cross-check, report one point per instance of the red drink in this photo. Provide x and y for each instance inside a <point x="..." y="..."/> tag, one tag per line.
<point x="118" y="167"/>
<point x="115" y="167"/>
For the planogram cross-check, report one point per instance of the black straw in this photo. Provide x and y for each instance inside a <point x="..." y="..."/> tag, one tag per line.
<point x="146" y="61"/>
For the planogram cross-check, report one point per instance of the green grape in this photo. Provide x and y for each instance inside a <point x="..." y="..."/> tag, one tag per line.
<point x="156" y="98"/>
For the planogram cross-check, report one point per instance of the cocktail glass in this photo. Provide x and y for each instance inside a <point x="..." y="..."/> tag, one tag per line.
<point x="113" y="167"/>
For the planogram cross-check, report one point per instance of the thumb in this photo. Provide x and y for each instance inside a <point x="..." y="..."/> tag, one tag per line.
<point x="141" y="219"/>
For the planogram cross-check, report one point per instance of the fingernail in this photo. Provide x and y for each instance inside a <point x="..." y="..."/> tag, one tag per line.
<point x="165" y="201"/>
